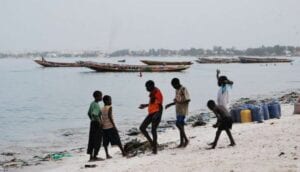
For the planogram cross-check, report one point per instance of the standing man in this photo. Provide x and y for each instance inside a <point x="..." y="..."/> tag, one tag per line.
<point x="224" y="122"/>
<point x="154" y="114"/>
<point x="223" y="94"/>
<point x="181" y="101"/>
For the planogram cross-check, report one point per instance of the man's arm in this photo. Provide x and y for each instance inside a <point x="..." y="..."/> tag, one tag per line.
<point x="142" y="106"/>
<point x="111" y="118"/>
<point x="169" y="105"/>
<point x="218" y="73"/>
<point x="217" y="113"/>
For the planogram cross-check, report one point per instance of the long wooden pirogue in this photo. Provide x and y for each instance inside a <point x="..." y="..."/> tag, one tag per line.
<point x="109" y="67"/>
<point x="45" y="63"/>
<point x="153" y="62"/>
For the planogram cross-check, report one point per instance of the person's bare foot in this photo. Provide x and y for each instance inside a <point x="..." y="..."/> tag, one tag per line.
<point x="154" y="151"/>
<point x="98" y="159"/>
<point x="232" y="144"/>
<point x="180" y="145"/>
<point x="210" y="144"/>
<point x="186" y="143"/>
<point x="210" y="148"/>
<point x="108" y="157"/>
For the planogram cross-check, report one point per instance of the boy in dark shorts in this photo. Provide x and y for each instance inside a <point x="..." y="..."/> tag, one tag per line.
<point x="154" y="114"/>
<point x="110" y="132"/>
<point x="95" y="135"/>
<point x="181" y="101"/>
<point x="224" y="122"/>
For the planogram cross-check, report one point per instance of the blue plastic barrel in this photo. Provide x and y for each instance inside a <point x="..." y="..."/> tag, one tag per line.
<point x="265" y="111"/>
<point x="274" y="110"/>
<point x="235" y="114"/>
<point x="256" y="113"/>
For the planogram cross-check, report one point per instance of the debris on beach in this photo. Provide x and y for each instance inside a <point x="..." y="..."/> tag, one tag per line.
<point x="53" y="156"/>
<point x="165" y="125"/>
<point x="199" y="120"/>
<point x="67" y="133"/>
<point x="136" y="147"/>
<point x="9" y="153"/>
<point x="281" y="153"/>
<point x="78" y="150"/>
<point x="289" y="98"/>
<point x="14" y="163"/>
<point x="133" y="132"/>
<point x="90" y="165"/>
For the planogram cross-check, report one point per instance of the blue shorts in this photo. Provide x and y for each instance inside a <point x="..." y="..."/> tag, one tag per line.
<point x="180" y="119"/>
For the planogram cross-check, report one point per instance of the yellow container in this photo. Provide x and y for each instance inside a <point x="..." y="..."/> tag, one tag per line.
<point x="246" y="116"/>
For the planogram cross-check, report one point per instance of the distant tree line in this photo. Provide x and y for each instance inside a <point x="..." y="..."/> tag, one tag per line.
<point x="276" y="50"/>
<point x="88" y="53"/>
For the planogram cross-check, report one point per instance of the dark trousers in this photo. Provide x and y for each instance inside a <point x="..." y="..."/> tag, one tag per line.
<point x="95" y="138"/>
<point x="153" y="119"/>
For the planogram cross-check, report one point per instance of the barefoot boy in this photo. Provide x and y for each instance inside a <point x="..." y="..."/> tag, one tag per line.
<point x="224" y="122"/>
<point x="181" y="101"/>
<point x="95" y="135"/>
<point x="110" y="132"/>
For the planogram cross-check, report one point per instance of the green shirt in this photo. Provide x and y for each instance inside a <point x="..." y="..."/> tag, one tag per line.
<point x="94" y="111"/>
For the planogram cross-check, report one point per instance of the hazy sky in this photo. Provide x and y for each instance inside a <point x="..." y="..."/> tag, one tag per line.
<point x="141" y="24"/>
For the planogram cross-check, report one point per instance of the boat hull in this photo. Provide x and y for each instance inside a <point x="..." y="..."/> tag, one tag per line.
<point x="263" y="60"/>
<point x="108" y="67"/>
<point x="45" y="63"/>
<point x="152" y="62"/>
<point x="217" y="60"/>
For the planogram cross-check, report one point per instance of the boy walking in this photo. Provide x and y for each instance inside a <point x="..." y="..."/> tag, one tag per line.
<point x="95" y="135"/>
<point x="181" y="101"/>
<point x="154" y="114"/>
<point x="224" y="122"/>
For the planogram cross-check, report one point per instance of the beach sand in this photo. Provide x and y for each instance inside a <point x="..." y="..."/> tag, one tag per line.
<point x="269" y="146"/>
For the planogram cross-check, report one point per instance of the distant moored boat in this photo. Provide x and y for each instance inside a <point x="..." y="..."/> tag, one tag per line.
<point x="263" y="60"/>
<point x="109" y="67"/>
<point x="153" y="62"/>
<point x="46" y="63"/>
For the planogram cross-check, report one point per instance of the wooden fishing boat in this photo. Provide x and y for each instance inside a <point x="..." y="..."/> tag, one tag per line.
<point x="45" y="63"/>
<point x="263" y="60"/>
<point x="153" y="62"/>
<point x="217" y="60"/>
<point x="122" y="61"/>
<point x="109" y="67"/>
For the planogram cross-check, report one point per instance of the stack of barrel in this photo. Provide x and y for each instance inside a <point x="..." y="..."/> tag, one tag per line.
<point x="256" y="113"/>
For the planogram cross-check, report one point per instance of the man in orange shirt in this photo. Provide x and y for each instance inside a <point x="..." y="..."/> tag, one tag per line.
<point x="155" y="109"/>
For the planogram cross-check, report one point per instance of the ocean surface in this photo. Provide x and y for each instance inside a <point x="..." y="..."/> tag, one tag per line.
<point x="39" y="105"/>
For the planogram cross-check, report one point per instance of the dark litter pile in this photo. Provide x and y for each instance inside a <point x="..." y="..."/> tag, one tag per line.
<point x="16" y="163"/>
<point x="12" y="162"/>
<point x="199" y="120"/>
<point x="133" y="132"/>
<point x="136" y="147"/>
<point x="290" y="98"/>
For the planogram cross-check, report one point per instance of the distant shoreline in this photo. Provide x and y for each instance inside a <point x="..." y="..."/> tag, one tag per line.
<point x="263" y="51"/>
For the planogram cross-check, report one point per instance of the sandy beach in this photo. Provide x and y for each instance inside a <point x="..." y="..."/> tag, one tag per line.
<point x="269" y="146"/>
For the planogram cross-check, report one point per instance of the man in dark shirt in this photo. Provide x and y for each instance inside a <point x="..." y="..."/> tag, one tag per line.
<point x="224" y="122"/>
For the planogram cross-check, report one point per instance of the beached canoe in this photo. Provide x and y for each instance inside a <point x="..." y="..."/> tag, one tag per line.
<point x="109" y="67"/>
<point x="263" y="60"/>
<point x="153" y="62"/>
<point x="56" y="64"/>
<point x="217" y="60"/>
